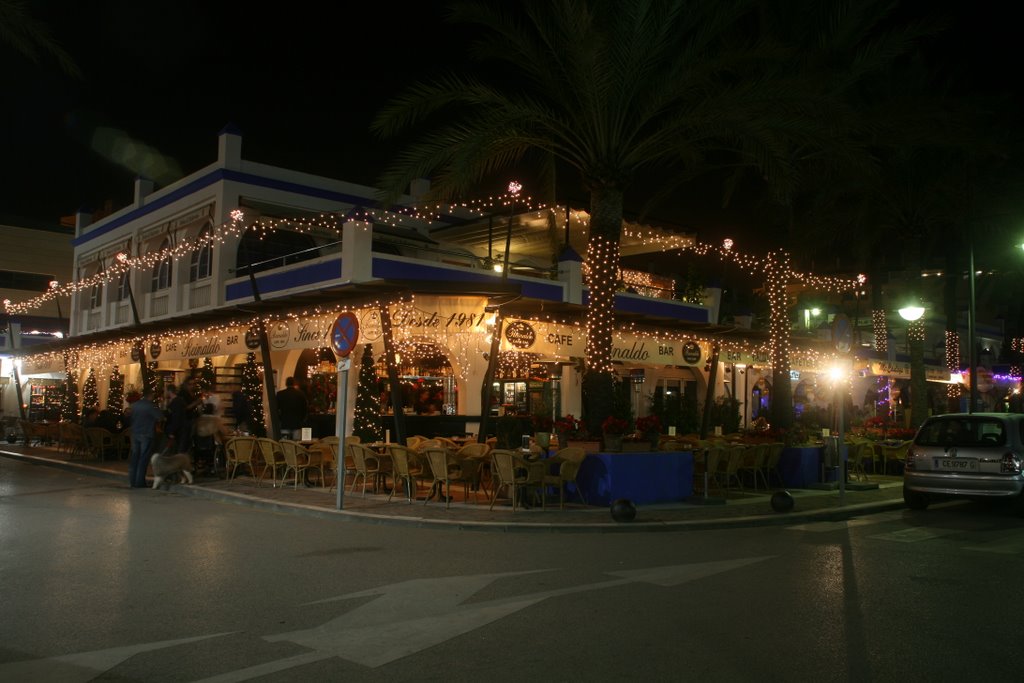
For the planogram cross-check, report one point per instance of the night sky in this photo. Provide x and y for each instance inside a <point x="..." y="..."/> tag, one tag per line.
<point x="159" y="82"/>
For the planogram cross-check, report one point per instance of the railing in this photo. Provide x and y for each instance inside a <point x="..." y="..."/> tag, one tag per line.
<point x="158" y="305"/>
<point x="199" y="296"/>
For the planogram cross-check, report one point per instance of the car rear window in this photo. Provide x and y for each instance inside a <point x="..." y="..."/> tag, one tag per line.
<point x="962" y="432"/>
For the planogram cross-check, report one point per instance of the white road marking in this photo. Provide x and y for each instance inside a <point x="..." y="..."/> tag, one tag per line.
<point x="402" y="619"/>
<point x="84" y="666"/>
<point x="818" y="527"/>
<point x="916" y="534"/>
<point x="1011" y="545"/>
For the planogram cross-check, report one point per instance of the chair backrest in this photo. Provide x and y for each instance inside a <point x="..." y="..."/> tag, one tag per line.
<point x="271" y="451"/>
<point x="568" y="470"/>
<point x="99" y="437"/>
<point x="399" y="459"/>
<point x="473" y="450"/>
<point x="505" y="463"/>
<point x="428" y="443"/>
<point x="714" y="457"/>
<point x="413" y="442"/>
<point x="774" y="453"/>
<point x="437" y="458"/>
<point x="572" y="453"/>
<point x="447" y="443"/>
<point x="290" y="451"/>
<point x="239" y="448"/>
<point x="360" y="454"/>
<point x="353" y="438"/>
<point x="72" y="432"/>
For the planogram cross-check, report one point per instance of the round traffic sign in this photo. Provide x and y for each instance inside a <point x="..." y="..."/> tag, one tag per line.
<point x="344" y="334"/>
<point x="842" y="334"/>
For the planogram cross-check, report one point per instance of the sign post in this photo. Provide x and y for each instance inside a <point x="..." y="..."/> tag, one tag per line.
<point x="344" y="334"/>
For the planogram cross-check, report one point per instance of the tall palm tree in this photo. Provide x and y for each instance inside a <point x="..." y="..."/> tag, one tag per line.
<point x="30" y="37"/>
<point x="611" y="90"/>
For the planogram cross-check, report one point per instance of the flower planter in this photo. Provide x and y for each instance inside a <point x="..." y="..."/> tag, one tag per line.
<point x="587" y="446"/>
<point x="636" y="447"/>
<point x="613" y="443"/>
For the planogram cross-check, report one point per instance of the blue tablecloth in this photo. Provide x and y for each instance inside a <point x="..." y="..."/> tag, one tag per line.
<point x="645" y="477"/>
<point x="801" y="467"/>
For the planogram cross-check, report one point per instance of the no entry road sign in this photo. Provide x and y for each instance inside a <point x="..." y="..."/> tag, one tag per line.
<point x="344" y="334"/>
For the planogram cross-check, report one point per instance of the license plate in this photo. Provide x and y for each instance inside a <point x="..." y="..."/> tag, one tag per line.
<point x="956" y="464"/>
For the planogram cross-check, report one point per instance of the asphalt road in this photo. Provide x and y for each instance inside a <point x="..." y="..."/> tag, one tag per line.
<point x="99" y="581"/>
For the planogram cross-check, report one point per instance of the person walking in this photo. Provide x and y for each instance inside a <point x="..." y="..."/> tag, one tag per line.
<point x="145" y="417"/>
<point x="292" y="408"/>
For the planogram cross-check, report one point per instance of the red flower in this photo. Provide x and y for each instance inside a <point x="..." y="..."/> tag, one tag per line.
<point x="614" y="425"/>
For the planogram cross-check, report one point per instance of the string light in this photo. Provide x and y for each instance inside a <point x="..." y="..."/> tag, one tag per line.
<point x="880" y="328"/>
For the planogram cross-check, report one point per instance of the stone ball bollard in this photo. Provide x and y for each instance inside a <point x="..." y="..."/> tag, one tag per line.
<point x="623" y="510"/>
<point x="782" y="501"/>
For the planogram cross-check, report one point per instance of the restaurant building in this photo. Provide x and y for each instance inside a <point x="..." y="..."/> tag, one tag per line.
<point x="243" y="264"/>
<point x="189" y="276"/>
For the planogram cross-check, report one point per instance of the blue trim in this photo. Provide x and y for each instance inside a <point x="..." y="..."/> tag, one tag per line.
<point x="216" y="176"/>
<point x="390" y="269"/>
<point x="656" y="307"/>
<point x="308" y="276"/>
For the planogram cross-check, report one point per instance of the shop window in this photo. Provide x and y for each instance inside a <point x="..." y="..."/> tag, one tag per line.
<point x="201" y="261"/>
<point x="123" y="284"/>
<point x="160" y="277"/>
<point x="96" y="294"/>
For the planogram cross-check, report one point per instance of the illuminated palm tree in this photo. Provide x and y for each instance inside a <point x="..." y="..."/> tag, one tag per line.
<point x="611" y="90"/>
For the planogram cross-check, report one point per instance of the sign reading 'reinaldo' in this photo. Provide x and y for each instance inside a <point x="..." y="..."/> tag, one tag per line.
<point x="551" y="339"/>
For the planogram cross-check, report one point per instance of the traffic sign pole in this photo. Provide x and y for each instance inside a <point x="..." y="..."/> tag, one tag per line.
<point x="344" y="335"/>
<point x="342" y="411"/>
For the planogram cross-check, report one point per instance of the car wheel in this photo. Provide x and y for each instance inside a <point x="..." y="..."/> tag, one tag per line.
<point x="915" y="500"/>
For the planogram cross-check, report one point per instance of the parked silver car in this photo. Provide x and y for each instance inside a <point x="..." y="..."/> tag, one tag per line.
<point x="972" y="456"/>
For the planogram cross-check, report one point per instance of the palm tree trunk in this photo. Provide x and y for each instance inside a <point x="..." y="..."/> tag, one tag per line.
<point x="602" y="273"/>
<point x="782" y="391"/>
<point x="952" y="341"/>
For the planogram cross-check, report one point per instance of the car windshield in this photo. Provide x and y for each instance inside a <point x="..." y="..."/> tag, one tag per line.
<point x="962" y="432"/>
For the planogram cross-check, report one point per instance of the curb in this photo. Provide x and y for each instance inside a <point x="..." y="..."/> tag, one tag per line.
<point x="638" y="525"/>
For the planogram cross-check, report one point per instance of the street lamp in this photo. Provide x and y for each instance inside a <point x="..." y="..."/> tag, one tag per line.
<point x="915" y="341"/>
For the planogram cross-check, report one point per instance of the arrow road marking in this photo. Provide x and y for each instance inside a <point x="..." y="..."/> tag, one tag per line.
<point x="85" y="666"/>
<point x="402" y="619"/>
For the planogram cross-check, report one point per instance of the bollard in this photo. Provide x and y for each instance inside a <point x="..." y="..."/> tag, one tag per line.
<point x="623" y="510"/>
<point x="782" y="501"/>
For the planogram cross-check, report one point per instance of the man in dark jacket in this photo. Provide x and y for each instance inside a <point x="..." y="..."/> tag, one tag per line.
<point x="292" y="408"/>
<point x="181" y="413"/>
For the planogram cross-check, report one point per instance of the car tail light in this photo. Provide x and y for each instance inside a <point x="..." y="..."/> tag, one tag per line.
<point x="908" y="463"/>
<point x="1010" y="464"/>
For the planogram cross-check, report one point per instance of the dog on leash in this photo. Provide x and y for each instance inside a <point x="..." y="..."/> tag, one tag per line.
<point x="168" y="464"/>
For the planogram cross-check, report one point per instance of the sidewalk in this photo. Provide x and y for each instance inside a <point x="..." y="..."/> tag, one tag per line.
<point x="741" y="508"/>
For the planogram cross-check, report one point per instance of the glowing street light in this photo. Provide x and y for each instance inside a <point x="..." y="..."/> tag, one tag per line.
<point x="912" y="313"/>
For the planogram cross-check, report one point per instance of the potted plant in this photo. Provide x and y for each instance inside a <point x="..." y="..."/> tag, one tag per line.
<point x="613" y="428"/>
<point x="650" y="427"/>
<point x="572" y="432"/>
<point x="542" y="426"/>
